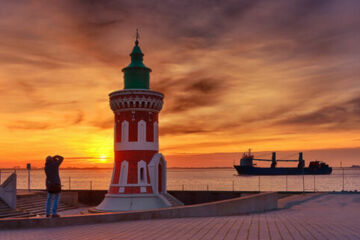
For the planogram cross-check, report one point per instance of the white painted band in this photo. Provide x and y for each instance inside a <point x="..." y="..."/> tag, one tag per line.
<point x="130" y="185"/>
<point x="131" y="195"/>
<point x="123" y="146"/>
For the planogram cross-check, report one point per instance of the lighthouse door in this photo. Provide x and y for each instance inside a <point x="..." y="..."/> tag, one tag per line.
<point x="160" y="178"/>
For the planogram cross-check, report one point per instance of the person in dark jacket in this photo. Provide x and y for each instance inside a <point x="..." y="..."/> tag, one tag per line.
<point x="53" y="183"/>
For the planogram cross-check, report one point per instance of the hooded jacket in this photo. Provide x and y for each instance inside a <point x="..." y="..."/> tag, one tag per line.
<point x="52" y="170"/>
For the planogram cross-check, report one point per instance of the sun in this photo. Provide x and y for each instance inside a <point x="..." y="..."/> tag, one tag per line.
<point x="102" y="159"/>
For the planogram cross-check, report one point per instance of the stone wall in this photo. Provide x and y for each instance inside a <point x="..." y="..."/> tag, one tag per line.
<point x="236" y="206"/>
<point x="94" y="197"/>
<point x="8" y="191"/>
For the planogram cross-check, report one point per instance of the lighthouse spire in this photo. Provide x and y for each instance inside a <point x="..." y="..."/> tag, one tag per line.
<point x="136" y="74"/>
<point x="137" y="37"/>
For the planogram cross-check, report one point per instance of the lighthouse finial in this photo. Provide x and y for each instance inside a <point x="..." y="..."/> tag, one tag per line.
<point x="137" y="37"/>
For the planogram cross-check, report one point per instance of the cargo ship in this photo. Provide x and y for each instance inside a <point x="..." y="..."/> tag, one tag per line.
<point x="247" y="167"/>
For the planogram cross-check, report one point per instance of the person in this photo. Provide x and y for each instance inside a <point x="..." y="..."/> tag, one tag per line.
<point x="53" y="183"/>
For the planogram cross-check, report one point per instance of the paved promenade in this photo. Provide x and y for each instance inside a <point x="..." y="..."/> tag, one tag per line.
<point x="330" y="216"/>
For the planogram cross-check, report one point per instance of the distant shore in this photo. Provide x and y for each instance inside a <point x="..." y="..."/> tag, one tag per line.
<point x="110" y="168"/>
<point x="92" y="168"/>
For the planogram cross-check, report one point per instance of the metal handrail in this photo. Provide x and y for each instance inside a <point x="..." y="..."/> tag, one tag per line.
<point x="77" y="183"/>
<point x="11" y="171"/>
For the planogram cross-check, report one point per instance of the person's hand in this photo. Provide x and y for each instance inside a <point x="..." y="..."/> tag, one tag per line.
<point x="58" y="158"/>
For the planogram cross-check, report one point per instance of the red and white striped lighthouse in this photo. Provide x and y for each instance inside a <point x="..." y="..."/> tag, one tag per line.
<point x="139" y="175"/>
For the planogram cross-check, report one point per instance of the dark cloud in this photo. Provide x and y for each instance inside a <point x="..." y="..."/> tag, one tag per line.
<point x="188" y="24"/>
<point x="203" y="86"/>
<point x="93" y="26"/>
<point x="190" y="92"/>
<point x="307" y="28"/>
<point x="204" y="21"/>
<point x="323" y="116"/>
<point x="354" y="104"/>
<point x="282" y="30"/>
<point x="214" y="123"/>
<point x="219" y="143"/>
<point x="341" y="115"/>
<point x="179" y="129"/>
<point x="289" y="31"/>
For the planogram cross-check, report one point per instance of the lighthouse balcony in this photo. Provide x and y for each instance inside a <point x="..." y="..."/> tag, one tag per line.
<point x="125" y="100"/>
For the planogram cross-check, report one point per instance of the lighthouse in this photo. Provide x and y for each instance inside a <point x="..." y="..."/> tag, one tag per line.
<point x="139" y="174"/>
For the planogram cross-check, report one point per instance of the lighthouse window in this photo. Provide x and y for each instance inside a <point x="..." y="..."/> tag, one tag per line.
<point x="141" y="174"/>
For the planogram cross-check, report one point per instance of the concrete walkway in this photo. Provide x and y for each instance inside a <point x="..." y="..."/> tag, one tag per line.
<point x="330" y="216"/>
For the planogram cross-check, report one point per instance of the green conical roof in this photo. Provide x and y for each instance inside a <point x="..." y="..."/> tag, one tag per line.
<point x="136" y="75"/>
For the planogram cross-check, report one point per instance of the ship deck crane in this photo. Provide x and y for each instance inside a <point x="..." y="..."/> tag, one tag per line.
<point x="274" y="161"/>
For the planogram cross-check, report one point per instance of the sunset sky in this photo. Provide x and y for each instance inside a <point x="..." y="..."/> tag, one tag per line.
<point x="267" y="75"/>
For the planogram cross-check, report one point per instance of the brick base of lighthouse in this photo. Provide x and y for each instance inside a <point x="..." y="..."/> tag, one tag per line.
<point x="138" y="194"/>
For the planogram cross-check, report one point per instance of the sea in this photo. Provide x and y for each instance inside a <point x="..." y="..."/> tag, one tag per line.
<point x="200" y="179"/>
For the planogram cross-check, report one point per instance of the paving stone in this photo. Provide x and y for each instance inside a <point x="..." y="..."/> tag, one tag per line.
<point x="333" y="216"/>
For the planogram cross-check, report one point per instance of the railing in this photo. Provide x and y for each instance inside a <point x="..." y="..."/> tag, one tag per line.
<point x="5" y="173"/>
<point x="310" y="183"/>
<point x="340" y="181"/>
<point x="8" y="189"/>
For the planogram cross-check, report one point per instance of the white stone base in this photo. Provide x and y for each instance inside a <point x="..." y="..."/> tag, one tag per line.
<point x="132" y="202"/>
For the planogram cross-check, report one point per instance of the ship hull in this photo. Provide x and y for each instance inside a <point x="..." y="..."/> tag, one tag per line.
<point x="281" y="171"/>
